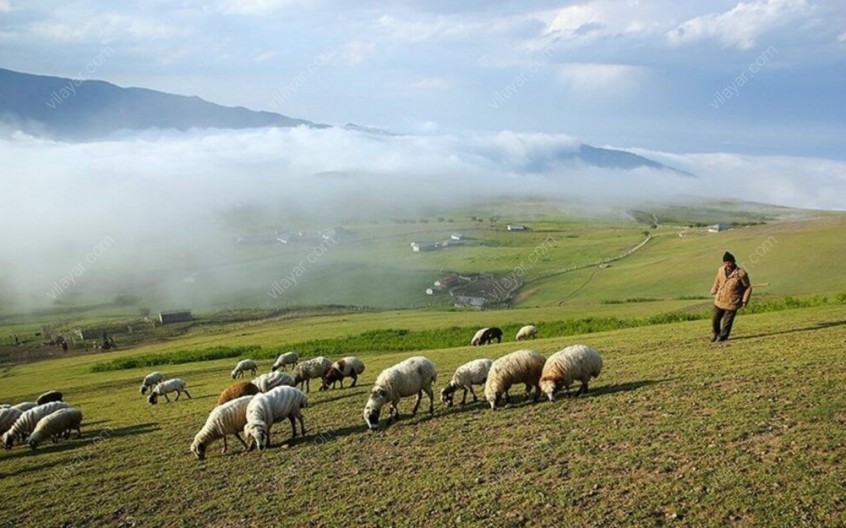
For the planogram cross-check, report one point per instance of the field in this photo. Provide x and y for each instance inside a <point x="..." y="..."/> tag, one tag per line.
<point x="675" y="431"/>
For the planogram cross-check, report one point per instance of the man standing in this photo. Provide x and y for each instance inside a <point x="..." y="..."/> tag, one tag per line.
<point x="731" y="291"/>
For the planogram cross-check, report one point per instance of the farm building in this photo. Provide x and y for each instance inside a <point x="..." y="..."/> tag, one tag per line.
<point x="718" y="228"/>
<point x="457" y="236"/>
<point x="452" y="243"/>
<point x="176" y="316"/>
<point x="516" y="227"/>
<point x="464" y="301"/>
<point x="423" y="246"/>
<point x="447" y="282"/>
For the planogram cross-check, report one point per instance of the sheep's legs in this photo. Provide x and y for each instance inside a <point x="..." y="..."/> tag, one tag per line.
<point x="243" y="443"/>
<point x="464" y="398"/>
<point x="417" y="402"/>
<point x="582" y="390"/>
<point x="225" y="445"/>
<point x="293" y="425"/>
<point x="186" y="394"/>
<point x="355" y="379"/>
<point x="431" y="401"/>
<point x="168" y="399"/>
<point x="475" y="398"/>
<point x="302" y="424"/>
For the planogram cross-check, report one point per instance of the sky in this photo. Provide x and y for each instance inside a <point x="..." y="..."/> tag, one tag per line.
<point x="758" y="77"/>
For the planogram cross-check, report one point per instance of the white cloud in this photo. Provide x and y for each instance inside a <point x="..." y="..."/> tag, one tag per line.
<point x="601" y="80"/>
<point x="5" y="6"/>
<point x="355" y="51"/>
<point x="431" y="84"/>
<point x="259" y="7"/>
<point x="105" y="28"/>
<point x="842" y="37"/>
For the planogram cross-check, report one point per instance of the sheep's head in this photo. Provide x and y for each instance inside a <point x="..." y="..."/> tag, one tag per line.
<point x="153" y="398"/>
<point x="33" y="445"/>
<point x="257" y="436"/>
<point x="143" y="389"/>
<point x="8" y="440"/>
<point x="332" y="375"/>
<point x="447" y="394"/>
<point x="234" y="373"/>
<point x="378" y="398"/>
<point x="274" y="367"/>
<point x="549" y="387"/>
<point x="199" y="450"/>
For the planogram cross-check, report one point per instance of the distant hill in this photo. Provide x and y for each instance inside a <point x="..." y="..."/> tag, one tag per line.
<point x="78" y="110"/>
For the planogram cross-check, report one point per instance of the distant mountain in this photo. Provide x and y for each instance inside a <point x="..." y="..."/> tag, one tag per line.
<point x="72" y="109"/>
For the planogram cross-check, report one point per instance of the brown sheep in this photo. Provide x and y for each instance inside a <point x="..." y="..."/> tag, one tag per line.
<point x="236" y="390"/>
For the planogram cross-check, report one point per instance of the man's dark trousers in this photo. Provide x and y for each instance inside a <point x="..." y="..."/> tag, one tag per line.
<point x="721" y="323"/>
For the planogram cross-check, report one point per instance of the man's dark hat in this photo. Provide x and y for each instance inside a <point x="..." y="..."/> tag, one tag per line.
<point x="728" y="257"/>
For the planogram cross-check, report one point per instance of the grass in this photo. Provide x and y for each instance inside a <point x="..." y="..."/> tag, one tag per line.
<point x="674" y="431"/>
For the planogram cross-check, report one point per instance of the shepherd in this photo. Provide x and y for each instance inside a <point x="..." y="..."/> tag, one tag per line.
<point x="731" y="292"/>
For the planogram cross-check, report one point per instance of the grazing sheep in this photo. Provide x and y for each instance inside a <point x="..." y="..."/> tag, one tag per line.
<point x="8" y="417"/>
<point x="288" y="358"/>
<point x="25" y="406"/>
<point x="49" y="396"/>
<point x="227" y="419"/>
<point x="527" y="332"/>
<point x="56" y="425"/>
<point x="489" y="335"/>
<point x="472" y="373"/>
<point x="162" y="389"/>
<point x="477" y="337"/>
<point x="313" y="368"/>
<point x="350" y="367"/>
<point x="27" y="422"/>
<point x="574" y="363"/>
<point x="266" y="409"/>
<point x="243" y="366"/>
<point x="236" y="390"/>
<point x="151" y="380"/>
<point x="412" y="376"/>
<point x="271" y="380"/>
<point x="523" y="366"/>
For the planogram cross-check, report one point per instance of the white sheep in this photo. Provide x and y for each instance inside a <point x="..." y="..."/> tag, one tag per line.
<point x="527" y="332"/>
<point x="162" y="389"/>
<point x="477" y="337"/>
<point x="523" y="366"/>
<point x="266" y="409"/>
<point x="25" y="406"/>
<point x="27" y="422"/>
<point x="8" y="417"/>
<point x="348" y="367"/>
<point x="574" y="363"/>
<point x="271" y="380"/>
<point x="412" y="376"/>
<point x="288" y="358"/>
<point x="227" y="419"/>
<point x="311" y="369"/>
<point x="243" y="366"/>
<point x="151" y="380"/>
<point x="56" y="424"/>
<point x="472" y="373"/>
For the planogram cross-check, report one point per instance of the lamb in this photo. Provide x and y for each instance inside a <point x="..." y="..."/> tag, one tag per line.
<point x="577" y="362"/>
<point x="162" y="389"/>
<point x="226" y="419"/>
<point x="49" y="396"/>
<point x="8" y="417"/>
<point x="412" y="376"/>
<point x="489" y="335"/>
<point x="151" y="380"/>
<point x="237" y="390"/>
<point x="27" y="422"/>
<point x="288" y="358"/>
<point x="477" y="337"/>
<point x="349" y="366"/>
<point x="266" y="409"/>
<point x="55" y="425"/>
<point x="523" y="366"/>
<point x="313" y="368"/>
<point x="473" y="373"/>
<point x="271" y="380"/>
<point x="243" y="366"/>
<point x="527" y="332"/>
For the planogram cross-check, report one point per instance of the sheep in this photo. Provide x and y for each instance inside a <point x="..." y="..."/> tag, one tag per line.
<point x="523" y="366"/>
<point x="237" y="390"/>
<point x="226" y="419"/>
<point x="489" y="335"/>
<point x="266" y="409"/>
<point x="271" y="380"/>
<point x="412" y="376"/>
<point x="243" y="366"/>
<point x="25" y="406"/>
<point x="56" y="424"/>
<point x="162" y="389"/>
<point x="349" y="366"/>
<point x="8" y="416"/>
<point x="49" y="396"/>
<point x="313" y="368"/>
<point x="472" y="373"/>
<point x="28" y="420"/>
<point x="527" y="332"/>
<point x="288" y="358"/>
<point x="151" y="380"/>
<point x="477" y="337"/>
<point x="577" y="362"/>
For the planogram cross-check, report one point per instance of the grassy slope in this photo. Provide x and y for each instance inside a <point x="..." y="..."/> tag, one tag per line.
<point x="747" y="434"/>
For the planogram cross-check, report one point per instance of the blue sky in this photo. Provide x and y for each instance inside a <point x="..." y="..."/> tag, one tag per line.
<point x="627" y="73"/>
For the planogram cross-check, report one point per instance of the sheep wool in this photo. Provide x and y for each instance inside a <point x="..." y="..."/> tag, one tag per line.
<point x="25" y="406"/>
<point x="151" y="380"/>
<point x="227" y="419"/>
<point x="162" y="389"/>
<point x="288" y="358"/>
<point x="56" y="424"/>
<point x="527" y="332"/>
<point x="243" y="366"/>
<point x="8" y="417"/>
<point x="477" y="337"/>
<point x="412" y="376"/>
<point x="49" y="396"/>
<point x="311" y="369"/>
<point x="523" y="366"/>
<point x="574" y="363"/>
<point x="472" y="373"/>
<point x="348" y="367"/>
<point x="237" y="390"/>
<point x="27" y="421"/>
<point x="271" y="380"/>
<point x="266" y="409"/>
